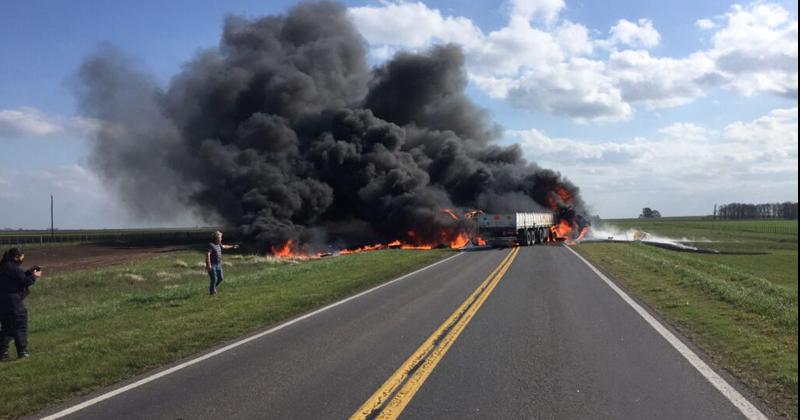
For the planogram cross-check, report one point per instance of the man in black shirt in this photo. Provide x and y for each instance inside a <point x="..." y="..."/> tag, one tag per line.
<point x="214" y="261"/>
<point x="14" y="287"/>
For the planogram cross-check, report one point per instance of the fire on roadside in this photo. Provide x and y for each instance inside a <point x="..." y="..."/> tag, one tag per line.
<point x="564" y="231"/>
<point x="290" y="251"/>
<point x="561" y="231"/>
<point x="459" y="239"/>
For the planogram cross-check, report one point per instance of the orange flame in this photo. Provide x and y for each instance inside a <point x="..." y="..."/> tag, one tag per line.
<point x="562" y="230"/>
<point x="285" y="251"/>
<point x="558" y="197"/>
<point x="415" y="244"/>
<point x="460" y="241"/>
<point x="420" y="247"/>
<point x="583" y="233"/>
<point x="291" y="250"/>
<point x="364" y="248"/>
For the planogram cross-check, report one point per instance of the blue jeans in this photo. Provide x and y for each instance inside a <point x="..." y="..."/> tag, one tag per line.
<point x="215" y="274"/>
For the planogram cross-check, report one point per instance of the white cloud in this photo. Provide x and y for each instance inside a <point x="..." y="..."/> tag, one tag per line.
<point x="578" y="88"/>
<point x="26" y="122"/>
<point x="685" y="131"/>
<point x="756" y="51"/>
<point x="541" y="68"/>
<point x="546" y="10"/>
<point x="705" y="24"/>
<point x="775" y="132"/>
<point x="412" y="25"/>
<point x="659" y="82"/>
<point x="634" y="34"/>
<point x="541" y="61"/>
<point x="573" y="39"/>
<point x="82" y="200"/>
<point x="514" y="48"/>
<point x="682" y="173"/>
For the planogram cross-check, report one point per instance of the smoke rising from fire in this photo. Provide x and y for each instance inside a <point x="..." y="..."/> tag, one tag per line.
<point x="285" y="133"/>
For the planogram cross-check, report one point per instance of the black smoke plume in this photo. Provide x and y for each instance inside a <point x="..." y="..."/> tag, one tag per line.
<point x="285" y="133"/>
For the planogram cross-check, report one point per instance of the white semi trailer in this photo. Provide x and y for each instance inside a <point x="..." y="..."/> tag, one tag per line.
<point x="515" y="228"/>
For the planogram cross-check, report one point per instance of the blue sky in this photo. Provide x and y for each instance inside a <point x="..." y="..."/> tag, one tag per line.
<point x="42" y="45"/>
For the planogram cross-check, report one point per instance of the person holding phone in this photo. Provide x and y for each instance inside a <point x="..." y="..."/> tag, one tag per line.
<point x="14" y="287"/>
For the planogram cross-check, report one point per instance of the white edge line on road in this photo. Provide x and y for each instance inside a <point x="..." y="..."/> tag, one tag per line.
<point x="219" y="351"/>
<point x="737" y="399"/>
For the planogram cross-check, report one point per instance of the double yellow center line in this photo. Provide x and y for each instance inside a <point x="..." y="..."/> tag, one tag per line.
<point x="395" y="394"/>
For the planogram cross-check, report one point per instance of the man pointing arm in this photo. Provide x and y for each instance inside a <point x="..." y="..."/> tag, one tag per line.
<point x="214" y="261"/>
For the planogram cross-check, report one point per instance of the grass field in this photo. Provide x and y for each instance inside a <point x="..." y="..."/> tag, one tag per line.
<point x="733" y="235"/>
<point x="90" y="329"/>
<point x="740" y="309"/>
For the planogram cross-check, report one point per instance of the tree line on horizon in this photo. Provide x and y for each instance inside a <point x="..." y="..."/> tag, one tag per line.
<point x="736" y="211"/>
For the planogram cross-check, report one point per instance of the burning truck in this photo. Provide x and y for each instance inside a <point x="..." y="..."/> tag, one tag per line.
<point x="472" y="228"/>
<point x="529" y="228"/>
<point x="499" y="230"/>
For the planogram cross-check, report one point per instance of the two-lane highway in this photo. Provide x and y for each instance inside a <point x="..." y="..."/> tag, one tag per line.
<point x="528" y="332"/>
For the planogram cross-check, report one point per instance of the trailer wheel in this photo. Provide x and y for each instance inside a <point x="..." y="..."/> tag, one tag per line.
<point x="529" y="234"/>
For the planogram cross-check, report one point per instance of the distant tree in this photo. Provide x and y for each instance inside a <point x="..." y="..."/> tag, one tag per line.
<point x="648" y="213"/>
<point x="738" y="211"/>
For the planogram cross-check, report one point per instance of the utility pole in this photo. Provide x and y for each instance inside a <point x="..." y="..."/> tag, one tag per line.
<point x="52" y="227"/>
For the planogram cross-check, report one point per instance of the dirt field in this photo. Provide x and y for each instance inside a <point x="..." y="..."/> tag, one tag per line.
<point x="60" y="259"/>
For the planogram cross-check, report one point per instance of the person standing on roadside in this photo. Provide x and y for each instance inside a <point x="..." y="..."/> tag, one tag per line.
<point x="14" y="287"/>
<point x="214" y="261"/>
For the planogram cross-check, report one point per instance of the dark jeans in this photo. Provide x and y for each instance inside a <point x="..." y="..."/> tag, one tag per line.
<point x="14" y="320"/>
<point x="215" y="275"/>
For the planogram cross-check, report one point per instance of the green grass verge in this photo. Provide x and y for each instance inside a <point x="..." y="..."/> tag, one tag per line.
<point x="93" y="328"/>
<point x="740" y="309"/>
<point x="733" y="235"/>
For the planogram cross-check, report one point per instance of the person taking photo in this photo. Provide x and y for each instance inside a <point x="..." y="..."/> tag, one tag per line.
<point x="14" y="287"/>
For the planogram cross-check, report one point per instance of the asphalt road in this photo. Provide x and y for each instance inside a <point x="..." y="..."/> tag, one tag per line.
<point x="552" y="340"/>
